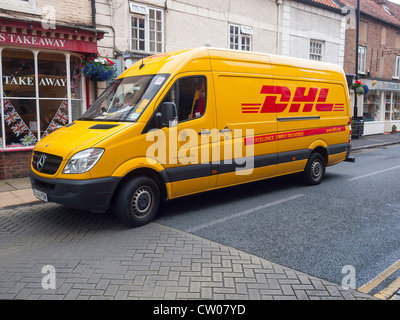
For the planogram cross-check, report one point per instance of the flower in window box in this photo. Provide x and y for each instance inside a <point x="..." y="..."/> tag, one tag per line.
<point x="99" y="69"/>
<point x="359" y="88"/>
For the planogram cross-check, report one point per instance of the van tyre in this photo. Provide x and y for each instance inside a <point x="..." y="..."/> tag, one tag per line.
<point x="315" y="169"/>
<point x="137" y="202"/>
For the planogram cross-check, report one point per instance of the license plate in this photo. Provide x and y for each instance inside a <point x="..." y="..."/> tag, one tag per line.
<point x="40" y="195"/>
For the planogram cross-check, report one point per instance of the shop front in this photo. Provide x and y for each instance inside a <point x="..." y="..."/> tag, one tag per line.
<point x="42" y="86"/>
<point x="381" y="106"/>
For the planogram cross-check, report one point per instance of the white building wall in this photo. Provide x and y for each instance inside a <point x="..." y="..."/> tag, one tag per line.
<point x="302" y="23"/>
<point x="192" y="23"/>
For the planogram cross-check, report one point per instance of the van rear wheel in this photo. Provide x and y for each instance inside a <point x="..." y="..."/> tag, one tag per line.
<point x="137" y="202"/>
<point x="315" y="169"/>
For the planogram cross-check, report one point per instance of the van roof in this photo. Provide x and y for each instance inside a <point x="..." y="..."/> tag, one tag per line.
<point x="198" y="59"/>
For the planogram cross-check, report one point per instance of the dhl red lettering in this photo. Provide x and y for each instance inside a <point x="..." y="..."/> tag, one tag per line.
<point x="323" y="94"/>
<point x="279" y="98"/>
<point x="299" y="95"/>
<point x="270" y="105"/>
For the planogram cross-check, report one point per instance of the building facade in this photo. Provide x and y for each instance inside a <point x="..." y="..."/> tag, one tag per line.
<point x="313" y="29"/>
<point x="136" y="29"/>
<point x="378" y="63"/>
<point x="42" y="47"/>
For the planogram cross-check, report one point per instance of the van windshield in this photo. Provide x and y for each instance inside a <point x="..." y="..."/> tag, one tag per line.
<point x="125" y="99"/>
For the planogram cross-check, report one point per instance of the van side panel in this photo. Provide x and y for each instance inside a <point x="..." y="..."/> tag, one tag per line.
<point x="316" y="110"/>
<point x="239" y="79"/>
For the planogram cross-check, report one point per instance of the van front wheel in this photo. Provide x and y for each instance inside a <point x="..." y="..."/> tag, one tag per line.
<point x="315" y="169"/>
<point x="137" y="202"/>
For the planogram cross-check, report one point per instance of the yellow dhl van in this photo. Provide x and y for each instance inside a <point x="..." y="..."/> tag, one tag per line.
<point x="185" y="122"/>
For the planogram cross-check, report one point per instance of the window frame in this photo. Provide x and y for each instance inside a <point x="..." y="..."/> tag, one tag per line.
<point x="244" y="36"/>
<point x="176" y="85"/>
<point x="37" y="97"/>
<point x="313" y="53"/>
<point x="362" y="60"/>
<point x="396" y="67"/>
<point x="134" y="14"/>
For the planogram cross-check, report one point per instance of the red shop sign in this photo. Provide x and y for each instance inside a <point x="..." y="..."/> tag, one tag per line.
<point x="20" y="33"/>
<point x="47" y="42"/>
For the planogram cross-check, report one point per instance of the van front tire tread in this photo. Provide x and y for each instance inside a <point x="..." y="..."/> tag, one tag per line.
<point x="137" y="202"/>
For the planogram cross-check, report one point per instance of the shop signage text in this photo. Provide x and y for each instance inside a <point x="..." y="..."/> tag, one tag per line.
<point x="42" y="41"/>
<point x="30" y="81"/>
<point x="28" y="40"/>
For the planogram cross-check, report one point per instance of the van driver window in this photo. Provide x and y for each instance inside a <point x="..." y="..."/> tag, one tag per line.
<point x="189" y="96"/>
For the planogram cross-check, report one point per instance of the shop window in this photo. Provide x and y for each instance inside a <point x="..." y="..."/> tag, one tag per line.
<point x="19" y="98"/>
<point x="37" y="102"/>
<point x="388" y="105"/>
<point x="372" y="106"/>
<point x="189" y="95"/>
<point x="396" y="106"/>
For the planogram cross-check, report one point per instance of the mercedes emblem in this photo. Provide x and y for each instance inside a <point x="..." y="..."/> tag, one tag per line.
<point x="41" y="162"/>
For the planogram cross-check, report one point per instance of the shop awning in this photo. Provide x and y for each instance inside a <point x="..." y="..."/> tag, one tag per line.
<point x="15" y="32"/>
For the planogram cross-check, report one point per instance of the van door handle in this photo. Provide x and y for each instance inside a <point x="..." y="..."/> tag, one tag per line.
<point x="225" y="130"/>
<point x="204" y="131"/>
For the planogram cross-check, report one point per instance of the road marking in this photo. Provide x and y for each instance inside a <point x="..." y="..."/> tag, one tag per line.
<point x="243" y="213"/>
<point x="388" y="291"/>
<point x="367" y="288"/>
<point x="373" y="173"/>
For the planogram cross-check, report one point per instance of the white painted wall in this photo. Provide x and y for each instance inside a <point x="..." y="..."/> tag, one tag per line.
<point x="301" y="23"/>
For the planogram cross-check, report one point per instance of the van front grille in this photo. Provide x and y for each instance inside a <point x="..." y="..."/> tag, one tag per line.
<point x="45" y="162"/>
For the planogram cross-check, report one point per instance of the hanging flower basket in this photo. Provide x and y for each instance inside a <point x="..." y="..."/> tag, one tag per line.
<point x="98" y="69"/>
<point x="359" y="88"/>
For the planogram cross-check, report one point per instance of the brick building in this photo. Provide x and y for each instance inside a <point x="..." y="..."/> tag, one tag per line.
<point x="379" y="62"/>
<point x="42" y="45"/>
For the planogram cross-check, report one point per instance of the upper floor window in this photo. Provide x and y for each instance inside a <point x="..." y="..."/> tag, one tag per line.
<point x="396" y="69"/>
<point x="240" y="37"/>
<point x="147" y="27"/>
<point x="316" y="50"/>
<point x="362" y="59"/>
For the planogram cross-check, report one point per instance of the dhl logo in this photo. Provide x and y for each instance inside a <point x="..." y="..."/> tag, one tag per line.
<point x="315" y="97"/>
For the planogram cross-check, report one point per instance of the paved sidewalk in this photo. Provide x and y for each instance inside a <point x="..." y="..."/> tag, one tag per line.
<point x="96" y="257"/>
<point x="16" y="192"/>
<point x="97" y="260"/>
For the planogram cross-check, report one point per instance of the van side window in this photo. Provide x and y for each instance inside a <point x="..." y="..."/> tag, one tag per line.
<point x="189" y="96"/>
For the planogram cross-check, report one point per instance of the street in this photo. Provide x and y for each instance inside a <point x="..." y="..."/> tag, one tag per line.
<point x="222" y="244"/>
<point x="351" y="218"/>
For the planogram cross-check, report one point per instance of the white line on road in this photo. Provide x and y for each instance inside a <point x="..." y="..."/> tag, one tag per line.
<point x="243" y="213"/>
<point x="373" y="173"/>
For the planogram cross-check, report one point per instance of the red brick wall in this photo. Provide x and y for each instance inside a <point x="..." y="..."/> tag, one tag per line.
<point x="379" y="64"/>
<point x="14" y="164"/>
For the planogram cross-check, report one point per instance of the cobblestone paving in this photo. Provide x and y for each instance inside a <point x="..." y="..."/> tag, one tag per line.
<point x="95" y="257"/>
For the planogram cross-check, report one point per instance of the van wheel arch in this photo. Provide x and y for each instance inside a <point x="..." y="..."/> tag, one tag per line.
<point x="146" y="172"/>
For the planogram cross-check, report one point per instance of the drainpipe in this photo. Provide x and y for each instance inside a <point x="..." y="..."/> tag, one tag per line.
<point x="93" y="14"/>
<point x="93" y="2"/>
<point x="278" y="26"/>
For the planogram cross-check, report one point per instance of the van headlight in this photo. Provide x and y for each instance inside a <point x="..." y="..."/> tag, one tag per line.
<point x="83" y="161"/>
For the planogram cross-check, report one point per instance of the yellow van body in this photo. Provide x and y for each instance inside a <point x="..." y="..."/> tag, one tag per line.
<point x="293" y="114"/>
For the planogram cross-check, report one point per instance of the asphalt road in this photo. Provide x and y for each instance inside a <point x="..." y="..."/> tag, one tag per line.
<point x="350" y="219"/>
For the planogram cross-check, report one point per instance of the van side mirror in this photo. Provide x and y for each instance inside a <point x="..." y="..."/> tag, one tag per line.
<point x="169" y="113"/>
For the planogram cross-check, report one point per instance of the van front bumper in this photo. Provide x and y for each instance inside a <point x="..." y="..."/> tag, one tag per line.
<point x="92" y="195"/>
